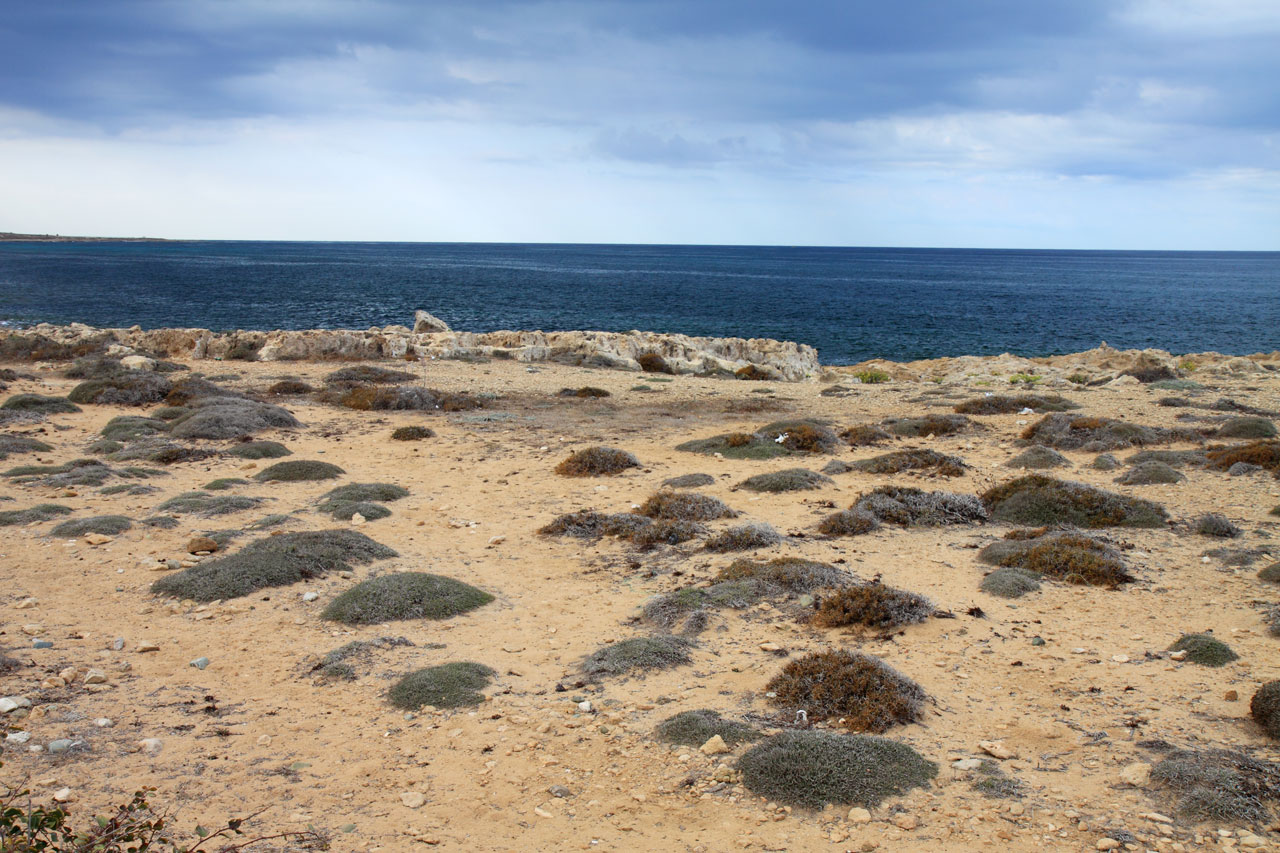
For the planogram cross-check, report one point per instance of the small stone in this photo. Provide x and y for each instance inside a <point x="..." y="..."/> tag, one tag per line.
<point x="559" y="791"/>
<point x="541" y="812"/>
<point x="172" y="565"/>
<point x="1231" y="696"/>
<point x="906" y="821"/>
<point x="496" y="540"/>
<point x="97" y="538"/>
<point x="585" y="706"/>
<point x="26" y="604"/>
<point x="117" y="644"/>
<point x="62" y="795"/>
<point x="147" y="646"/>
<point x="264" y="740"/>
<point x="1017" y="809"/>
<point x="357" y="519"/>
<point x="1181" y="654"/>
<point x="200" y="663"/>
<point x="715" y="745"/>
<point x="95" y="676"/>
<point x="310" y="596"/>
<point x="770" y="647"/>
<point x="1120" y="658"/>
<point x="103" y="723"/>
<point x="1037" y="641"/>
<point x="413" y="799"/>
<point x="201" y="543"/>
<point x="996" y="749"/>
<point x="41" y="644"/>
<point x="151" y="745"/>
<point x="60" y="745"/>
<point x="967" y="763"/>
<point x="1106" y="844"/>
<point x="859" y="815"/>
<point x="1137" y="774"/>
<point x="9" y="704"/>
<point x="17" y="737"/>
<point x="32" y="630"/>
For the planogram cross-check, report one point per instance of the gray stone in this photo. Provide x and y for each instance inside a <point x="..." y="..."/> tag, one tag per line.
<point x="424" y="323"/>
<point x="60" y="745"/>
<point x="200" y="663"/>
<point x="41" y="644"/>
<point x="117" y="644"/>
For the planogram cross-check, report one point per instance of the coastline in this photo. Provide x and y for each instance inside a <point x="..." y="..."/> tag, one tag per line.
<point x="1049" y="682"/>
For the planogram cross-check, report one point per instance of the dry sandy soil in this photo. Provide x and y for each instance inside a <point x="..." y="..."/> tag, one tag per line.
<point x="257" y="729"/>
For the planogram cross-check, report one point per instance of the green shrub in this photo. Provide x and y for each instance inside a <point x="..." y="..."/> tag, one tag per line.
<point x="736" y="445"/>
<point x="345" y="500"/>
<point x="203" y="503"/>
<point x="1213" y="524"/>
<point x="865" y="435"/>
<point x="1001" y="404"/>
<point x="1172" y="458"/>
<point x="1150" y="473"/>
<point x="1105" y="462"/>
<point x="1151" y="373"/>
<point x="1078" y="379"/>
<point x="404" y="595"/>
<point x="412" y="433"/>
<point x="1246" y="428"/>
<point x="1270" y="574"/>
<point x="871" y="605"/>
<point x="361" y="374"/>
<point x="1038" y="458"/>
<point x="1065" y="555"/>
<point x="77" y="472"/>
<point x="801" y="436"/>
<point x="1010" y="583"/>
<point x="848" y="522"/>
<point x="584" y="524"/>
<point x="126" y="388"/>
<point x="1036" y="501"/>
<point x="788" y="480"/>
<point x="688" y="481"/>
<point x="1264" y="708"/>
<point x="744" y="537"/>
<point x="694" y="728"/>
<point x="39" y="512"/>
<point x="928" y="425"/>
<point x="132" y="428"/>
<point x="664" y="532"/>
<point x="871" y="377"/>
<point x="169" y="413"/>
<point x="223" y="483"/>
<point x="691" y="603"/>
<point x="450" y="685"/>
<point x="1204" y="649"/>
<point x="638" y="653"/>
<point x="1265" y="454"/>
<point x="273" y="561"/>
<point x="1221" y="786"/>
<point x="912" y="460"/>
<point x="14" y="444"/>
<point x="597" y="462"/>
<point x="815" y="768"/>
<point x="909" y="506"/>
<point x="1176" y="385"/>
<point x="40" y="404"/>
<point x="289" y="388"/>
<point x="228" y="417"/>
<point x="298" y="470"/>
<point x="259" y="450"/>
<point x="1080" y="432"/>
<point x="785" y="574"/>
<point x="859" y="691"/>
<point x="107" y="525"/>
<point x="685" y="506"/>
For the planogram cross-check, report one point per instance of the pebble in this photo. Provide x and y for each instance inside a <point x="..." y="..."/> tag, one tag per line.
<point x="1136" y="774"/>
<point x="357" y="519"/>
<point x="117" y="644"/>
<point x="97" y="538"/>
<point x="26" y="604"/>
<point x="103" y="722"/>
<point x="412" y="799"/>
<point x="967" y="763"/>
<point x="996" y="749"/>
<point x="151" y="745"/>
<point x="41" y="644"/>
<point x="559" y="791"/>
<point x="1179" y="655"/>
<point x="1231" y="696"/>
<point x="715" y="745"/>
<point x="148" y="646"/>
<point x="859" y="815"/>
<point x="9" y="704"/>
<point x="1120" y="658"/>
<point x="95" y="676"/>
<point x="200" y="663"/>
<point x="770" y="647"/>
<point x="906" y="821"/>
<point x="310" y="596"/>
<point x="1106" y="844"/>
<point x="60" y="745"/>
<point x="62" y="795"/>
<point x="585" y="706"/>
<point x="17" y="737"/>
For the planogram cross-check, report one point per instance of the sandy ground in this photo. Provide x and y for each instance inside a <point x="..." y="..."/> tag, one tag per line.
<point x="255" y="730"/>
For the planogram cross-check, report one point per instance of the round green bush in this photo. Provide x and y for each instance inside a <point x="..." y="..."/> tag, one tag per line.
<point x="404" y="595"/>
<point x="1010" y="583"/>
<point x="107" y="525"/>
<point x="450" y="685"/>
<point x="694" y="728"/>
<point x="789" y="480"/>
<point x="1270" y="574"/>
<point x="658" y="652"/>
<point x="1204" y="649"/>
<point x="1265" y="708"/>
<point x="299" y="470"/>
<point x="814" y="768"/>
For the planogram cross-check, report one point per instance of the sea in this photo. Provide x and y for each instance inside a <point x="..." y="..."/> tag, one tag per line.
<point x="851" y="304"/>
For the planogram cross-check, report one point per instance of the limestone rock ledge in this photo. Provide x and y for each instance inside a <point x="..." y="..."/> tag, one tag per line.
<point x="781" y="360"/>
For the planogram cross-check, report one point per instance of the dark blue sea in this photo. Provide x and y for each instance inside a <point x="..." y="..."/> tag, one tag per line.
<point x="850" y="303"/>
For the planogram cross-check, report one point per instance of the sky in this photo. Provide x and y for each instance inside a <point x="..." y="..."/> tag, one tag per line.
<point x="1088" y="124"/>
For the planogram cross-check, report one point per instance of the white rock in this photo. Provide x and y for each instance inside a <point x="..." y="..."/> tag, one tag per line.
<point x="967" y="763"/>
<point x="859" y="815"/>
<point x="151" y="745"/>
<point x="425" y="323"/>
<point x="357" y="519"/>
<point x="996" y="749"/>
<point x="138" y="362"/>
<point x="17" y="737"/>
<point x="310" y="596"/>
<point x="413" y="800"/>
<point x="95" y="676"/>
<point x="62" y="795"/>
<point x="103" y="722"/>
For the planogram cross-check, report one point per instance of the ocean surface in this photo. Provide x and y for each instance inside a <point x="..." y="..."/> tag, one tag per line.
<point x="850" y="303"/>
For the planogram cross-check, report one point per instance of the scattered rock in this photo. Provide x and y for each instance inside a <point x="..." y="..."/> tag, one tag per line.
<point x="413" y="799"/>
<point x="60" y="745"/>
<point x="62" y="795"/>
<point x="906" y="821"/>
<point x="151" y="745"/>
<point x="967" y="763"/>
<point x="95" y="676"/>
<point x="996" y="749"/>
<point x="97" y="538"/>
<point x="859" y="815"/>
<point x="1137" y="774"/>
<point x="201" y="543"/>
<point x="200" y="663"/>
<point x="1109" y="843"/>
<point x="715" y="745"/>
<point x="310" y="596"/>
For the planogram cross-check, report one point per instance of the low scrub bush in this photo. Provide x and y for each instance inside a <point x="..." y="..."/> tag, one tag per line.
<point x="1176" y="385"/>
<point x="1270" y="574"/>
<point x="912" y="460"/>
<point x="222" y="484"/>
<point x="1218" y="526"/>
<point x="1147" y="374"/>
<point x="928" y="425"/>
<point x="871" y="605"/>
<point x="907" y="507"/>
<point x="1204" y="649"/>
<point x="221" y="418"/>
<point x="860" y="692"/>
<point x="685" y="506"/>
<point x="1065" y="555"/>
<point x="298" y="470"/>
<point x="404" y="595"/>
<point x="690" y="604"/>
<point x="39" y="512"/>
<point x="694" y="728"/>
<point x="1001" y="404"/>
<point x="788" y="480"/>
<point x="865" y="435"/>
<point x="273" y="561"/>
<point x="815" y="768"/>
<point x="400" y="398"/>
<point x="1150" y="473"/>
<point x="450" y="685"/>
<point x="651" y="362"/>
<point x="1221" y="786"/>
<point x="40" y="404"/>
<point x="744" y="537"/>
<point x="259" y="450"/>
<point x="412" y="433"/>
<point x="364" y="498"/>
<point x="848" y="522"/>
<point x="586" y="392"/>
<point x="106" y="525"/>
<point x="785" y="574"/>
<point x="871" y="377"/>
<point x="1079" y="432"/>
<point x="195" y="389"/>
<point x="1265" y="454"/>
<point x="1172" y="458"/>
<point x="133" y="428"/>
<point x="16" y="444"/>
<point x="664" y="532"/>
<point x="1246" y="428"/>
<point x="1104" y="462"/>
<point x="1010" y="583"/>
<point x="1038" y="501"/>
<point x="756" y="373"/>
<point x="364" y="374"/>
<point x="639" y="653"/>
<point x="203" y="503"/>
<point x="77" y="472"/>
<point x="801" y="436"/>
<point x="1264" y="708"/>
<point x="289" y="388"/>
<point x="1038" y="458"/>
<point x="688" y="481"/>
<point x="597" y="462"/>
<point x="126" y="388"/>
<point x="736" y="445"/>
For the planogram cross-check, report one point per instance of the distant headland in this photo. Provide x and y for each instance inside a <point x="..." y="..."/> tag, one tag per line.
<point x="11" y="237"/>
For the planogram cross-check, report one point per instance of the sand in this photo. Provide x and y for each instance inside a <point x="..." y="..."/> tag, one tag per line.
<point x="256" y="729"/>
